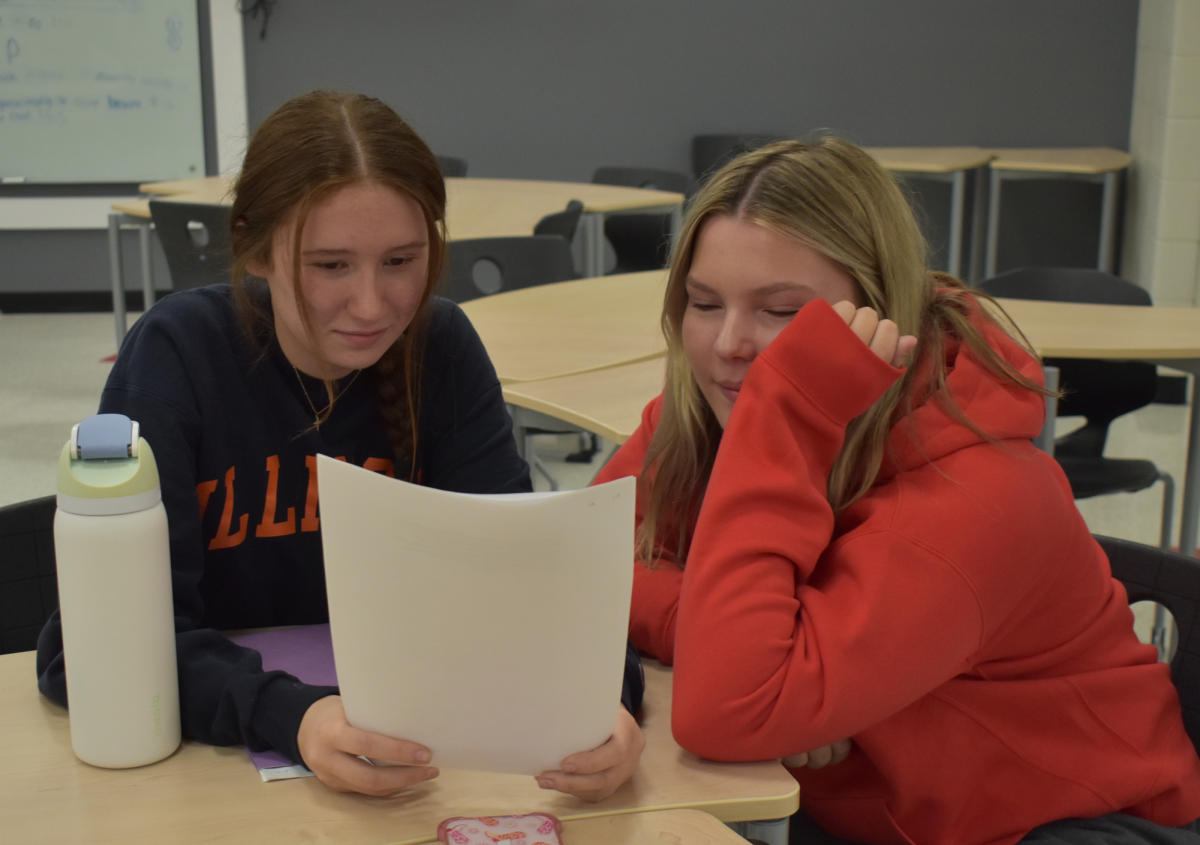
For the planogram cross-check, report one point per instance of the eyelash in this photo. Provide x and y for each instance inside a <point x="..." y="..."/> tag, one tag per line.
<point x="332" y="266"/>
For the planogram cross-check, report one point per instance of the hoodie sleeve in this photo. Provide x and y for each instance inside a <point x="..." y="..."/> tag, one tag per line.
<point x="777" y="650"/>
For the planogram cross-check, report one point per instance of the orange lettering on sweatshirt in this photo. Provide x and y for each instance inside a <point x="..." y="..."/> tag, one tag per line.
<point x="225" y="539"/>
<point x="269" y="527"/>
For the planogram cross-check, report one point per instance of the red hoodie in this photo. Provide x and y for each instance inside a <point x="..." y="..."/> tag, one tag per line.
<point x="958" y="622"/>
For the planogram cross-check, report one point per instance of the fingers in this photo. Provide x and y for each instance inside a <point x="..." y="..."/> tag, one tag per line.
<point x="841" y="750"/>
<point x="881" y="336"/>
<point x="594" y="775"/>
<point x="828" y="755"/>
<point x="904" y="347"/>
<point x="332" y="748"/>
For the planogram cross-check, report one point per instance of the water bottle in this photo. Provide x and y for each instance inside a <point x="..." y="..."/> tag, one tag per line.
<point x="114" y="591"/>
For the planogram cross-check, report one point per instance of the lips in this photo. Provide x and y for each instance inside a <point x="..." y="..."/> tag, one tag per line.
<point x="730" y="389"/>
<point x="362" y="339"/>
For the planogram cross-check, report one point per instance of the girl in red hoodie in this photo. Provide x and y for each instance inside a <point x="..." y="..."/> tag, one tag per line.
<point x="853" y="554"/>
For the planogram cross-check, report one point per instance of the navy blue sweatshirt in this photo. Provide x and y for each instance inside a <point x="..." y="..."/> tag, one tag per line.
<point x="231" y="430"/>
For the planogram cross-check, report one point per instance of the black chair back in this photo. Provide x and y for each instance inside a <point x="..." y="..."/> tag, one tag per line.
<point x="483" y="266"/>
<point x="451" y="166"/>
<point x="28" y="578"/>
<point x="712" y="152"/>
<point x="642" y="177"/>
<point x="1172" y="580"/>
<point x="561" y="223"/>
<point x="195" y="239"/>
<point x="1098" y="390"/>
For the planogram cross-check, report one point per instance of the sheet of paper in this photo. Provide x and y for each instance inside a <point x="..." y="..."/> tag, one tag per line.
<point x="489" y="628"/>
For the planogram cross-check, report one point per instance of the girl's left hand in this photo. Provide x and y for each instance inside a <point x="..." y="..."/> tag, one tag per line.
<point x="882" y="336"/>
<point x="594" y="775"/>
<point x="827" y="755"/>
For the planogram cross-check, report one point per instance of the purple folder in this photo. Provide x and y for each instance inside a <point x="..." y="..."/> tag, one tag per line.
<point x="306" y="652"/>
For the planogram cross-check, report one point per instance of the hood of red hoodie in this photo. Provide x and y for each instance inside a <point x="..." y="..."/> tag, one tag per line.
<point x="1002" y="409"/>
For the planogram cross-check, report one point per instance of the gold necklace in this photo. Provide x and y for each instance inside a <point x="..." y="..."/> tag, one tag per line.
<point x="311" y="404"/>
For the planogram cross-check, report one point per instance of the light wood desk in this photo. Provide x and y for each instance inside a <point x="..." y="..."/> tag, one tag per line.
<point x="607" y="402"/>
<point x="1091" y="164"/>
<point x="683" y="827"/>
<point x="475" y="208"/>
<point x="206" y="794"/>
<point x="947" y="164"/>
<point x="571" y="327"/>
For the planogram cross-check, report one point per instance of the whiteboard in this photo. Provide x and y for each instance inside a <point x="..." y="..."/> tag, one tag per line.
<point x="100" y="91"/>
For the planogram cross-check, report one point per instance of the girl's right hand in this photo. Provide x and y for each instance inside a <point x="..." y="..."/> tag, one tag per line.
<point x="882" y="336"/>
<point x="332" y="749"/>
<point x="826" y="755"/>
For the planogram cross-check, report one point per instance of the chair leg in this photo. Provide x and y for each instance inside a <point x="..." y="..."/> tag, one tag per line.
<point x="1162" y="634"/>
<point x="537" y="464"/>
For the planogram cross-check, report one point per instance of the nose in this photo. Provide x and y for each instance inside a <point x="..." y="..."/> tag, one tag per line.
<point x="365" y="299"/>
<point x="736" y="340"/>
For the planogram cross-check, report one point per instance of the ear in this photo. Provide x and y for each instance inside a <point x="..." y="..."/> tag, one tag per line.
<point x="258" y="267"/>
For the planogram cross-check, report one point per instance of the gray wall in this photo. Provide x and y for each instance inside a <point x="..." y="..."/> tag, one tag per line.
<point x="552" y="89"/>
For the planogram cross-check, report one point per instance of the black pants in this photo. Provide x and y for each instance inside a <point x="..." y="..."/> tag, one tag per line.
<point x="1115" y="829"/>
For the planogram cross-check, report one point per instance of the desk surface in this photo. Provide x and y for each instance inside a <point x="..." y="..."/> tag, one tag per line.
<point x="608" y="402"/>
<point x="206" y="794"/>
<point x="1075" y="330"/>
<point x="475" y="208"/>
<point x="685" y="827"/>
<point x="1062" y="160"/>
<point x="930" y="159"/>
<point x="571" y="327"/>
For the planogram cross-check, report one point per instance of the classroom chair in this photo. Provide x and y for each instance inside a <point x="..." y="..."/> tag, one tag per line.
<point x="1171" y="580"/>
<point x="712" y="152"/>
<point x="452" y="167"/>
<point x="195" y="239"/>
<point x="484" y="266"/>
<point x="640" y="241"/>
<point x="28" y="578"/>
<point x="1099" y="391"/>
<point x="562" y="223"/>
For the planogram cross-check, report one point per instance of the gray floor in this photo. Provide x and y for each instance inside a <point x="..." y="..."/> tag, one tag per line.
<point x="52" y="369"/>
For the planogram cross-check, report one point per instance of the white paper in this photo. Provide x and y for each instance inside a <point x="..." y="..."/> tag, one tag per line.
<point x="489" y="628"/>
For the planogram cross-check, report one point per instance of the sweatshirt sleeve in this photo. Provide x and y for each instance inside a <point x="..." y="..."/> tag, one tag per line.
<point x="655" y="589"/>
<point x="785" y="643"/>
<point x="225" y="696"/>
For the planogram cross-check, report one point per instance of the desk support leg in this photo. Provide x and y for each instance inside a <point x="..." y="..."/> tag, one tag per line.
<point x="993" y="226"/>
<point x="1108" y="222"/>
<point x="1190" y="523"/>
<point x="772" y="832"/>
<point x="147" y="267"/>
<point x="593" y="244"/>
<point x="118" y="275"/>
<point x="978" y="224"/>
<point x="958" y="207"/>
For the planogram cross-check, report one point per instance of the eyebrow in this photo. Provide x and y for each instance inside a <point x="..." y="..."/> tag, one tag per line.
<point x="765" y="290"/>
<point x="401" y="247"/>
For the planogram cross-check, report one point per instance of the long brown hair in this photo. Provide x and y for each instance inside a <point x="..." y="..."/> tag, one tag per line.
<point x="310" y="148"/>
<point x="834" y="197"/>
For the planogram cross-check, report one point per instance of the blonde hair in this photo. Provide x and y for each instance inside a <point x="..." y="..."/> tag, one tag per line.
<point x="834" y="197"/>
<point x="309" y="149"/>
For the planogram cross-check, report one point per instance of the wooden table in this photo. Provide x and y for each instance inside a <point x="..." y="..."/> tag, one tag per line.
<point x="683" y="827"/>
<point x="475" y="208"/>
<point x="946" y="164"/>
<point x="1091" y="164"/>
<point x="571" y="327"/>
<point x="207" y="794"/>
<point x="606" y="402"/>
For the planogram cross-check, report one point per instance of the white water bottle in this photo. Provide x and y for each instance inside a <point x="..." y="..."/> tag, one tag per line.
<point x="114" y="591"/>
